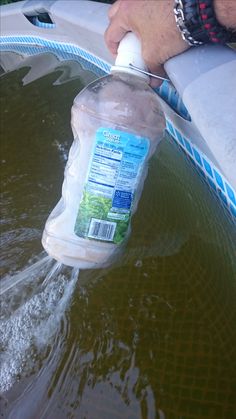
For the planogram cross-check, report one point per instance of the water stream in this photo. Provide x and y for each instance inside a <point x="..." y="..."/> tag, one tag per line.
<point x="34" y="302"/>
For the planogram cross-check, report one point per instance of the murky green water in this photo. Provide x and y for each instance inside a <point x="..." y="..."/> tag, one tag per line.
<point x="151" y="337"/>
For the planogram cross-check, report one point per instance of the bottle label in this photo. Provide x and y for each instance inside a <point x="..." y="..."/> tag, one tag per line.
<point x="113" y="177"/>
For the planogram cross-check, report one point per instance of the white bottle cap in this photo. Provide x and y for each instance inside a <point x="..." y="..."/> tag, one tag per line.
<point x="130" y="52"/>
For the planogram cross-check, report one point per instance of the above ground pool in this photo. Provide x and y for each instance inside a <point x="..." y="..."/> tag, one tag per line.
<point x="153" y="336"/>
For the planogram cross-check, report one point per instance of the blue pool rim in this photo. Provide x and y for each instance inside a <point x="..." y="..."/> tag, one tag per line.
<point x="217" y="182"/>
<point x="30" y="45"/>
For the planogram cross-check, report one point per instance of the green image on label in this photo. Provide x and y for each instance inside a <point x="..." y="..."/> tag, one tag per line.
<point x="113" y="177"/>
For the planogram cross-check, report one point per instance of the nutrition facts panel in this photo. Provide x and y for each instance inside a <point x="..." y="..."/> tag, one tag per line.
<point x="115" y="170"/>
<point x="117" y="160"/>
<point x="104" y="170"/>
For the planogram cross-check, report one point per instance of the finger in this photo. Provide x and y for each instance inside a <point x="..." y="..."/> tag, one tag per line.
<point x="151" y="59"/>
<point x="113" y="9"/>
<point x="113" y="35"/>
<point x="154" y="82"/>
<point x="157" y="70"/>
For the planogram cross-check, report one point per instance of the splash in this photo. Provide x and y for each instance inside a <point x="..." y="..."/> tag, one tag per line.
<point x="34" y="305"/>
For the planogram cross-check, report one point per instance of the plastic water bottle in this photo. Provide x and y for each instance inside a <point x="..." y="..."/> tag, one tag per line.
<point x="117" y="123"/>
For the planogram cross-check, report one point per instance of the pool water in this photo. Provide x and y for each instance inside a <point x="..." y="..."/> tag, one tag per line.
<point x="154" y="335"/>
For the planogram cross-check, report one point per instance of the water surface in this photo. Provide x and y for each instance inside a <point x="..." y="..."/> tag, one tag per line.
<point x="151" y="337"/>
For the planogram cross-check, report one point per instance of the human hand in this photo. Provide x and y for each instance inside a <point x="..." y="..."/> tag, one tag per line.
<point x="154" y="24"/>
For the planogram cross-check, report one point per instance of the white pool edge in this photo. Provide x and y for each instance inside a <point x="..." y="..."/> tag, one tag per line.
<point x="89" y="45"/>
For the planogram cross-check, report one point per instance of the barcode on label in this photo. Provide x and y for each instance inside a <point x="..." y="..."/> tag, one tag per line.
<point x="101" y="230"/>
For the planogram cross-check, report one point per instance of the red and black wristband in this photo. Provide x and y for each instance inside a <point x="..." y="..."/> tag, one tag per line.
<point x="215" y="31"/>
<point x="198" y="24"/>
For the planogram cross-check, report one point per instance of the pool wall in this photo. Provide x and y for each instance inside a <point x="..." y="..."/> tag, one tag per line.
<point x="200" y="105"/>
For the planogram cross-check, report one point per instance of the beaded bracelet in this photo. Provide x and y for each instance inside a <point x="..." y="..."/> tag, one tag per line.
<point x="198" y="24"/>
<point x="215" y="31"/>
